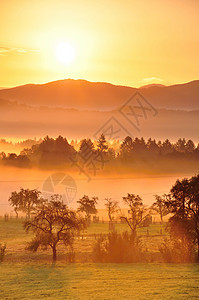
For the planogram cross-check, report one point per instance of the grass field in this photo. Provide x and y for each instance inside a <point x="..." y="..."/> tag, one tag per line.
<point x="25" y="275"/>
<point x="99" y="281"/>
<point x="15" y="237"/>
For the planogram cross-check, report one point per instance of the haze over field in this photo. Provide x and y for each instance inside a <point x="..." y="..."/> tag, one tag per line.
<point x="12" y="179"/>
<point x="77" y="109"/>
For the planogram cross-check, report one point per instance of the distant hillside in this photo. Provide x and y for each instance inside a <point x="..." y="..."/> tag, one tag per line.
<point x="23" y="121"/>
<point x="82" y="94"/>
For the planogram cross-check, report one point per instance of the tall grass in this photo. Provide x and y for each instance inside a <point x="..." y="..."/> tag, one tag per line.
<point x="118" y="248"/>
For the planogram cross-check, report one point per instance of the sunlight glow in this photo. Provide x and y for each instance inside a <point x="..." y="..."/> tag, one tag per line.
<point x="65" y="53"/>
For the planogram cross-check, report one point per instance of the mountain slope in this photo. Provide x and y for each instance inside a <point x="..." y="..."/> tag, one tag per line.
<point x="82" y="94"/>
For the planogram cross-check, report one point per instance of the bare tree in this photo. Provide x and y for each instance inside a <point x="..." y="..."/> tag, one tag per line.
<point x="53" y="223"/>
<point x="112" y="207"/>
<point x="160" y="206"/>
<point x="136" y="211"/>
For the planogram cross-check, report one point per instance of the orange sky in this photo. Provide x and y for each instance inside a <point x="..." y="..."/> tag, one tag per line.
<point x="122" y="42"/>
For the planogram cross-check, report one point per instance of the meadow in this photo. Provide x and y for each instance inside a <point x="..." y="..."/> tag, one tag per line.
<point x="26" y="275"/>
<point x="99" y="281"/>
<point x="13" y="234"/>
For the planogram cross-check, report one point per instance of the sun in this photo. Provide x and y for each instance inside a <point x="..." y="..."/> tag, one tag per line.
<point x="65" y="53"/>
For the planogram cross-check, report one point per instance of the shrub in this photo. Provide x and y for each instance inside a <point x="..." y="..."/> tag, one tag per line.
<point x="177" y="251"/>
<point x="118" y="248"/>
<point x="181" y="245"/>
<point x="99" y="253"/>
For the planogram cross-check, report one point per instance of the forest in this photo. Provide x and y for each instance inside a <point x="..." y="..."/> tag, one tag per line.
<point x="103" y="156"/>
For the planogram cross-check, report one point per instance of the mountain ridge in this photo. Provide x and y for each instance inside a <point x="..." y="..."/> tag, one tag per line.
<point x="83" y="94"/>
<point x="100" y="82"/>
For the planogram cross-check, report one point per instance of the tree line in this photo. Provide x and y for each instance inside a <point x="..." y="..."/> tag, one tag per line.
<point x="59" y="152"/>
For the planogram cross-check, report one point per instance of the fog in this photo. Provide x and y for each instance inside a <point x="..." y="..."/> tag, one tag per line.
<point x="12" y="179"/>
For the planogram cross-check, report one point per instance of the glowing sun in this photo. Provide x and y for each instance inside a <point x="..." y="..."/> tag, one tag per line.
<point x="65" y="53"/>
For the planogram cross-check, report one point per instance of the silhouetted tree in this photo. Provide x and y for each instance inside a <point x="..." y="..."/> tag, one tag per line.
<point x="126" y="147"/>
<point x="167" y="147"/>
<point x="178" y="196"/>
<point x="86" y="143"/>
<point x="53" y="223"/>
<point x="152" y="147"/>
<point x="2" y="155"/>
<point x="102" y="144"/>
<point x="139" y="146"/>
<point x="12" y="156"/>
<point x="136" y="212"/>
<point x="111" y="154"/>
<point x="53" y="151"/>
<point x="86" y="150"/>
<point x="180" y="145"/>
<point x="112" y="207"/>
<point x="183" y="202"/>
<point x="160" y="207"/>
<point x="190" y="147"/>
<point x="13" y="159"/>
<point x="88" y="206"/>
<point x="27" y="152"/>
<point x="25" y="201"/>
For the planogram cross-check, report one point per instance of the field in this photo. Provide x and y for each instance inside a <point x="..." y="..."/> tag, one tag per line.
<point x="99" y="281"/>
<point x="15" y="237"/>
<point x="25" y="275"/>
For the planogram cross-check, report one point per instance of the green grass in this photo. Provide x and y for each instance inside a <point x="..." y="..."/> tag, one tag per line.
<point x="25" y="275"/>
<point x="99" y="281"/>
<point x="13" y="229"/>
<point x="103" y="228"/>
<point x="15" y="237"/>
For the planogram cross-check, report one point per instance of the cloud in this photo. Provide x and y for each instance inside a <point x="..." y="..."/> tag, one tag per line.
<point x="20" y="51"/>
<point x="152" y="79"/>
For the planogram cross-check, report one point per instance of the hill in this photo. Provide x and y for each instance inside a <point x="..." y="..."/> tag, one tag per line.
<point x="82" y="94"/>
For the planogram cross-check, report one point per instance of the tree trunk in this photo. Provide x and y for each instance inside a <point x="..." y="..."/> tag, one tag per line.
<point x="110" y="218"/>
<point x="88" y="219"/>
<point x="54" y="254"/>
<point x="134" y="234"/>
<point x="161" y="218"/>
<point x="16" y="213"/>
<point x="110" y="222"/>
<point x="111" y="226"/>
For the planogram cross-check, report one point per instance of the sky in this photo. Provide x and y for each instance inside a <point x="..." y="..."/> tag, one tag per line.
<point x="122" y="42"/>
